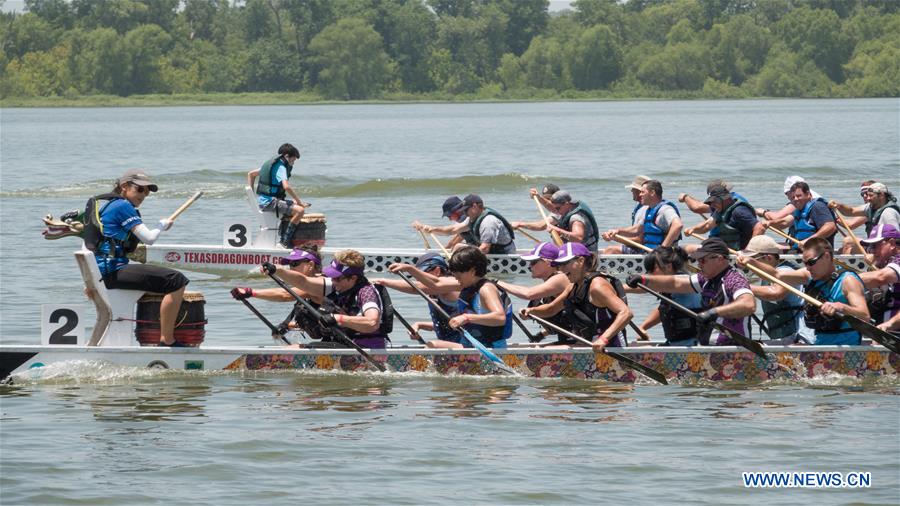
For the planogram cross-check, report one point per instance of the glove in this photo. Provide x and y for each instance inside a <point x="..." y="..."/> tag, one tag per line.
<point x="164" y="224"/>
<point x="708" y="316"/>
<point x="241" y="292"/>
<point x="269" y="268"/>
<point x="328" y="320"/>
<point x="281" y="330"/>
<point x="634" y="280"/>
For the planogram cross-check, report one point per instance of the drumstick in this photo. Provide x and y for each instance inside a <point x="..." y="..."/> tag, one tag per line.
<point x="186" y="205"/>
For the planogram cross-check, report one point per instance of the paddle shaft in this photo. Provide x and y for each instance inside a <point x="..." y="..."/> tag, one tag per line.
<point x="409" y="327"/>
<point x="636" y="245"/>
<point x="340" y="333"/>
<point x="439" y="243"/>
<point x="798" y="242"/>
<point x="531" y="337"/>
<point x="526" y="234"/>
<point x="622" y="359"/>
<point x="424" y="239"/>
<point x="186" y="205"/>
<point x="741" y="340"/>
<point x="265" y="320"/>
<point x="556" y="238"/>
<point x="852" y="236"/>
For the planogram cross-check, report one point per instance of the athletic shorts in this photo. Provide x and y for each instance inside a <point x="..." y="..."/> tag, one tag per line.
<point x="281" y="208"/>
<point x="149" y="278"/>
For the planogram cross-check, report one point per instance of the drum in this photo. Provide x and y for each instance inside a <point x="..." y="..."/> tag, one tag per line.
<point x="310" y="231"/>
<point x="190" y="324"/>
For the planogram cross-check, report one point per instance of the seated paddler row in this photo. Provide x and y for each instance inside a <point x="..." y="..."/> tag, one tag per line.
<point x="705" y="307"/>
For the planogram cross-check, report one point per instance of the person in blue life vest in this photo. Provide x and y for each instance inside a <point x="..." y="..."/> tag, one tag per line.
<point x="782" y="310"/>
<point x="662" y="221"/>
<point x="788" y="209"/>
<point x="273" y="188"/>
<point x="432" y="274"/>
<point x="840" y="290"/>
<point x="679" y="329"/>
<point x="113" y="229"/>
<point x="883" y="284"/>
<point x="459" y="222"/>
<point x="485" y="309"/>
<point x="734" y="220"/>
<point x="811" y="219"/>
<point x="637" y="217"/>
<point x="594" y="305"/>
<point x="880" y="207"/>
<point x="573" y="220"/>
<point x="363" y="311"/>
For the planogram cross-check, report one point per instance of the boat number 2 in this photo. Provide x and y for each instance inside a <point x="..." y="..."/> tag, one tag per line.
<point x="237" y="235"/>
<point x="62" y="324"/>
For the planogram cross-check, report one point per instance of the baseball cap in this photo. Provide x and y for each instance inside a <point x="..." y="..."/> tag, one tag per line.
<point x="791" y="180"/>
<point x="716" y="192"/>
<point x="549" y="189"/>
<point x="711" y="246"/>
<point x="718" y="182"/>
<point x="878" y="188"/>
<point x="431" y="260"/>
<point x="561" y="197"/>
<point x="762" y="244"/>
<point x="470" y="200"/>
<point x="335" y="270"/>
<point x="300" y="255"/>
<point x="138" y="177"/>
<point x="570" y="251"/>
<point x="638" y="181"/>
<point x="449" y="205"/>
<point x="545" y="250"/>
<point x="881" y="232"/>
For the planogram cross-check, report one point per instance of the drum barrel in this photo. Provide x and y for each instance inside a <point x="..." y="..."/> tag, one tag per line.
<point x="190" y="324"/>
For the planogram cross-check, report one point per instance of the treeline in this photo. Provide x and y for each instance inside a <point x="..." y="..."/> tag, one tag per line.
<point x="365" y="49"/>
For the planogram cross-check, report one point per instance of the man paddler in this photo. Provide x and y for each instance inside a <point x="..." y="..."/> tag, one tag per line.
<point x="661" y="225"/>
<point x="637" y="217"/>
<point x="486" y="229"/>
<point x="880" y="207"/>
<point x="734" y="220"/>
<point x="811" y="218"/>
<point x="273" y="188"/>
<point x="573" y="220"/>
<point x="883" y="285"/>
<point x="458" y="222"/>
<point x="840" y="290"/>
<point x="725" y="293"/>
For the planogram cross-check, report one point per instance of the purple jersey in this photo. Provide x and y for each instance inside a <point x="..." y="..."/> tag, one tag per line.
<point x="721" y="290"/>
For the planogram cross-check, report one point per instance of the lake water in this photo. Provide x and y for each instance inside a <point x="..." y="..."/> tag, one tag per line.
<point x="95" y="434"/>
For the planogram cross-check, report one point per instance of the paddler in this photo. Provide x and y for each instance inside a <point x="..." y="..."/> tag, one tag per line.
<point x="782" y="310"/>
<point x="572" y="220"/>
<point x="637" y="217"/>
<point x="788" y="208"/>
<point x="848" y="247"/>
<point x="486" y="228"/>
<point x="117" y="232"/>
<point x="734" y="220"/>
<point x="679" y="328"/>
<point x="544" y="195"/>
<point x="552" y="282"/>
<point x="594" y="304"/>
<point x="840" y="290"/>
<point x="883" y="295"/>
<point x="880" y="207"/>
<point x="485" y="309"/>
<point x="725" y="293"/>
<point x="811" y="218"/>
<point x="273" y="188"/>
<point x="701" y="207"/>
<point x="459" y="222"/>
<point x="661" y="225"/>
<point x="365" y="312"/>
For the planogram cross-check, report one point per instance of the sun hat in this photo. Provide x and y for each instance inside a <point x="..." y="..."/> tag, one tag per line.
<point x="762" y="245"/>
<point x="335" y="270"/>
<point x="561" y="197"/>
<point x="138" y="177"/>
<point x="300" y="255"/>
<point x="882" y="232"/>
<point x="638" y="181"/>
<point x="717" y="193"/>
<point x="711" y="246"/>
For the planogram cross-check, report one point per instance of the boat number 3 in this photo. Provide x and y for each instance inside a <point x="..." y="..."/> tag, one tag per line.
<point x="237" y="235"/>
<point x="62" y="324"/>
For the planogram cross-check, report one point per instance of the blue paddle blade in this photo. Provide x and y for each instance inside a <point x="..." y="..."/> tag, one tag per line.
<point x="489" y="354"/>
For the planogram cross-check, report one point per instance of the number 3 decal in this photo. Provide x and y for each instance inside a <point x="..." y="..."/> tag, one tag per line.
<point x="62" y="324"/>
<point x="237" y="235"/>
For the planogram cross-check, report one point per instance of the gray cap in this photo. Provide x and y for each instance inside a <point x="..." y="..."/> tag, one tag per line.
<point x="561" y="197"/>
<point x="138" y="177"/>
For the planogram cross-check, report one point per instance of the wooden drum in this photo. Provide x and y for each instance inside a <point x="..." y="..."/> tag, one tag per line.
<point x="190" y="324"/>
<point x="310" y="231"/>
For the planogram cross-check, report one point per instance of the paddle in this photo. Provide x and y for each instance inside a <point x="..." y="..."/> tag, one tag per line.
<point x="741" y="340"/>
<point x="526" y="234"/>
<point x="636" y="245"/>
<point x="643" y="335"/>
<point x="186" y="205"/>
<point x="553" y="233"/>
<point x="531" y="337"/>
<point x="439" y="243"/>
<point x="797" y="242"/>
<point x="622" y="359"/>
<point x="406" y="324"/>
<point x="474" y="342"/>
<point x="424" y="239"/>
<point x="265" y="320"/>
<point x="882" y="337"/>
<point x="337" y="330"/>
<point x="852" y="236"/>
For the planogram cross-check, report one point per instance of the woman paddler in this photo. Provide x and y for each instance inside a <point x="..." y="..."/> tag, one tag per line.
<point x="485" y="308"/>
<point x="594" y="305"/>
<point x="113" y="229"/>
<point x="679" y="328"/>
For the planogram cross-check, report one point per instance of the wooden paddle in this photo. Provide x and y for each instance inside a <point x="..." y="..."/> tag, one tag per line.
<point x="622" y="359"/>
<point x="526" y="234"/>
<point x="636" y="245"/>
<point x="186" y="205"/>
<point x="265" y="320"/>
<point x="797" y="242"/>
<point x="553" y="233"/>
<point x="439" y="243"/>
<point x="531" y="337"/>
<point x="424" y="239"/>
<point x="852" y="236"/>
<point x="498" y="362"/>
<point x="882" y="337"/>
<point x="415" y="335"/>
<point x="337" y="330"/>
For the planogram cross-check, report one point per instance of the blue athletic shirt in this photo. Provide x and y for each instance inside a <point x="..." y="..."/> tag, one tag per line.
<point x="280" y="177"/>
<point x="118" y="218"/>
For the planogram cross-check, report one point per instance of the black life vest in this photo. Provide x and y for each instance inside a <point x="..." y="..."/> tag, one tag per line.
<point x="470" y="302"/>
<point x="781" y="316"/>
<point x="442" y="328"/>
<point x="677" y="325"/>
<point x="582" y="209"/>
<point x="93" y="227"/>
<point x="348" y="302"/>
<point x="582" y="316"/>
<point x="266" y="184"/>
<point x="558" y="319"/>
<point x="872" y="217"/>
<point x="729" y="234"/>
<point x="473" y="235"/>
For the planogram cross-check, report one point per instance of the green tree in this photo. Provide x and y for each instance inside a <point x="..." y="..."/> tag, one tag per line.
<point x="511" y="73"/>
<point x="817" y="35"/>
<point x="678" y="67"/>
<point x="595" y="61"/>
<point x="873" y="71"/>
<point x="526" y="20"/>
<point x="788" y="74"/>
<point x="269" y="65"/>
<point x="145" y="46"/>
<point x="542" y="64"/>
<point x="738" y="48"/>
<point x="29" y="33"/>
<point x="58" y="13"/>
<point x="99" y="62"/>
<point x="350" y="60"/>
<point x="39" y="74"/>
<point x="411" y="32"/>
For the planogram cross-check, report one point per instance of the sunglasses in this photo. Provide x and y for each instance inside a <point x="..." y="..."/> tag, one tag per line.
<point x="812" y="261"/>
<point x="139" y="188"/>
<point x="532" y="263"/>
<point x="703" y="260"/>
<point x="295" y="263"/>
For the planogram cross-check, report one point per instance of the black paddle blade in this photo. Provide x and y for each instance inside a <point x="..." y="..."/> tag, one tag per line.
<point x="886" y="339"/>
<point x="639" y="367"/>
<point x="744" y="341"/>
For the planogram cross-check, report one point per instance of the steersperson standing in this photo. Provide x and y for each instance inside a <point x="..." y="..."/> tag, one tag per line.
<point x="273" y="188"/>
<point x="118" y="232"/>
<point x="573" y="220"/>
<point x="661" y="225"/>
